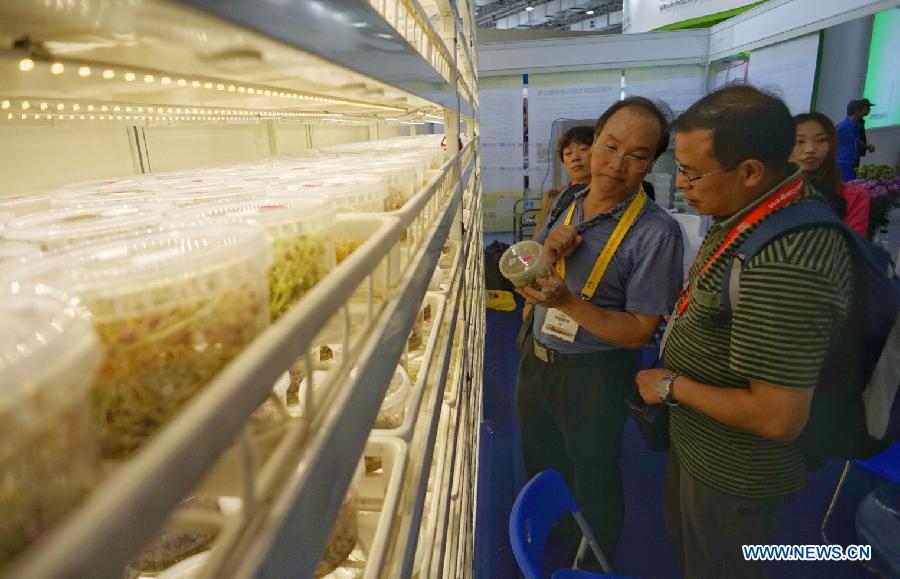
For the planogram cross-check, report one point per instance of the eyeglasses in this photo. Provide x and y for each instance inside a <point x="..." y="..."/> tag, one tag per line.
<point x="691" y="180"/>
<point x="630" y="163"/>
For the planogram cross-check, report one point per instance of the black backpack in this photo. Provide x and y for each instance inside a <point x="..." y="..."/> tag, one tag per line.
<point x="855" y="411"/>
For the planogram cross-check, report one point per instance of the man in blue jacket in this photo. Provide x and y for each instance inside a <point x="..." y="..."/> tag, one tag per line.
<point x="852" y="138"/>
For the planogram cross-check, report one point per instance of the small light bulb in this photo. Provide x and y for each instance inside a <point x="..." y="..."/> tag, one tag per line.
<point x="60" y="107"/>
<point x="129" y="76"/>
<point x="44" y="106"/>
<point x="76" y="107"/>
<point x="26" y="65"/>
<point x="37" y="116"/>
<point x="268" y="93"/>
<point x="84" y="71"/>
<point x="220" y="86"/>
<point x="26" y="105"/>
<point x="117" y="108"/>
<point x="251" y="90"/>
<point x="92" y="117"/>
<point x="9" y="116"/>
<point x="182" y="82"/>
<point x="148" y="78"/>
<point x="90" y="108"/>
<point x="166" y="80"/>
<point x="4" y="105"/>
<point x="242" y="89"/>
<point x="109" y="74"/>
<point x="208" y="85"/>
<point x="81" y="117"/>
<point x="149" y="109"/>
<point x="104" y="108"/>
<point x="231" y="88"/>
<point x="195" y="83"/>
<point x="127" y="109"/>
<point x="57" y="68"/>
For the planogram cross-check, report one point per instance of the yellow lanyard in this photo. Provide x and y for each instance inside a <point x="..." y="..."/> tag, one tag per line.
<point x="615" y="240"/>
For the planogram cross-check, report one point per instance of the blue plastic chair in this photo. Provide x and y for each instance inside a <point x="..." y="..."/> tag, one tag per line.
<point x="885" y="464"/>
<point x="540" y="504"/>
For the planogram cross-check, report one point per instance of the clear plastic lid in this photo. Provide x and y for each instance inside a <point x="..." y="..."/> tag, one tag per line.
<point x="348" y="195"/>
<point x="192" y="196"/>
<point x="281" y="217"/>
<point x="25" y="204"/>
<point x="396" y="393"/>
<point x="60" y="228"/>
<point x="46" y="337"/>
<point x="115" y="184"/>
<point x="92" y="198"/>
<point x="142" y="265"/>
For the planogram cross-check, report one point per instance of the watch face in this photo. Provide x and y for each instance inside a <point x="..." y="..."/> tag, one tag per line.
<point x="662" y="389"/>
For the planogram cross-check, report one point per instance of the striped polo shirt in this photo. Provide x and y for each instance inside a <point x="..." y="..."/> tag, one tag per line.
<point x="793" y="298"/>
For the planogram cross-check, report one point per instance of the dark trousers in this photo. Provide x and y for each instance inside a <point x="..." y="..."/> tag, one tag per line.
<point x="708" y="527"/>
<point x="571" y="419"/>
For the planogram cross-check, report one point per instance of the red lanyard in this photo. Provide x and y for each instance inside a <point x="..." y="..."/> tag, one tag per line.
<point x="777" y="200"/>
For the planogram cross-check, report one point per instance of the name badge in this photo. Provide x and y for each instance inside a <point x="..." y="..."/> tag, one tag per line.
<point x="560" y="325"/>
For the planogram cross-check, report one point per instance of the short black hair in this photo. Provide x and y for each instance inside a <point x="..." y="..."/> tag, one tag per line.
<point x="582" y="134"/>
<point x="659" y="110"/>
<point x="746" y="123"/>
<point x="856" y="106"/>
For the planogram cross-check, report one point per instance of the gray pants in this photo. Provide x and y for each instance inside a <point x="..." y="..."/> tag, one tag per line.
<point x="708" y="527"/>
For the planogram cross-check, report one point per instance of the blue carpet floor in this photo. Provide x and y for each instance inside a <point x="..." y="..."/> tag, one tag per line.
<point x="644" y="550"/>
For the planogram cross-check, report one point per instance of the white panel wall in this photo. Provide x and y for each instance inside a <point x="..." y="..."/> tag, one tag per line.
<point x="787" y="69"/>
<point x="779" y="20"/>
<point x="845" y="57"/>
<point x="184" y="147"/>
<point x="291" y="139"/>
<point x="593" y="52"/>
<point x="327" y="136"/>
<point x="40" y="156"/>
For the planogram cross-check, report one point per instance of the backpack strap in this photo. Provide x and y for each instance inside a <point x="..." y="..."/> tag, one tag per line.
<point x="562" y="203"/>
<point x="793" y="218"/>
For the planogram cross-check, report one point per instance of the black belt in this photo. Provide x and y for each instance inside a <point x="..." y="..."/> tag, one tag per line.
<point x="551" y="356"/>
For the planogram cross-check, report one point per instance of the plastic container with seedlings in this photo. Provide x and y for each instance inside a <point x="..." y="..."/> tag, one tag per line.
<point x="91" y="197"/>
<point x="61" y="228"/>
<point x="26" y="204"/>
<point x="393" y="407"/>
<point x="403" y="182"/>
<point x="49" y="456"/>
<point x="298" y="229"/>
<point x="523" y="263"/>
<point x="172" y="309"/>
<point x="352" y="194"/>
<point x="345" y="531"/>
<point x="211" y="194"/>
<point x="11" y="251"/>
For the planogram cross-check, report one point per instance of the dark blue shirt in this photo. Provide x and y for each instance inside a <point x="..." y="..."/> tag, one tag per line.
<point x="644" y="276"/>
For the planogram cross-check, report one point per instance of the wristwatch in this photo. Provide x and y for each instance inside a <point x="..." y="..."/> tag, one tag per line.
<point x="664" y="389"/>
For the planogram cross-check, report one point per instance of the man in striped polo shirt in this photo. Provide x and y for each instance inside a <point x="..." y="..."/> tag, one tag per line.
<point x="740" y="386"/>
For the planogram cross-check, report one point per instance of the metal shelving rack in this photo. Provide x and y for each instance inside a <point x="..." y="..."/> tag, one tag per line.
<point x="281" y="528"/>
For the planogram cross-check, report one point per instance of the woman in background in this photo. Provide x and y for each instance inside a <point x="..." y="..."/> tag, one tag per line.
<point x="574" y="150"/>
<point x="816" y="151"/>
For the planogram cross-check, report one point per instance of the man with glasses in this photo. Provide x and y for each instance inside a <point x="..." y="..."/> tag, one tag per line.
<point x="740" y="385"/>
<point x="617" y="260"/>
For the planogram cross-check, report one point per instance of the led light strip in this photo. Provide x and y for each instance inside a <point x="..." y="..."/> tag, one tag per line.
<point x="48" y="107"/>
<point x="111" y="72"/>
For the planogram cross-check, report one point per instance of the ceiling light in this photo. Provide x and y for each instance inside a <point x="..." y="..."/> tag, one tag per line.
<point x="55" y="68"/>
<point x="590" y="12"/>
<point x="109" y="74"/>
<point x="26" y="64"/>
<point x="529" y="8"/>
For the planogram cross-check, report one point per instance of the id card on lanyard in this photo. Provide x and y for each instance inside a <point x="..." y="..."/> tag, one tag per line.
<point x="557" y="323"/>
<point x="777" y="200"/>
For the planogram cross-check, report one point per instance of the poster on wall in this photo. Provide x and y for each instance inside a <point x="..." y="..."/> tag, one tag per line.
<point x="502" y="149"/>
<point x="787" y="69"/>
<point x="883" y="73"/>
<point x="562" y="96"/>
<point x="677" y="86"/>
<point x="647" y="15"/>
